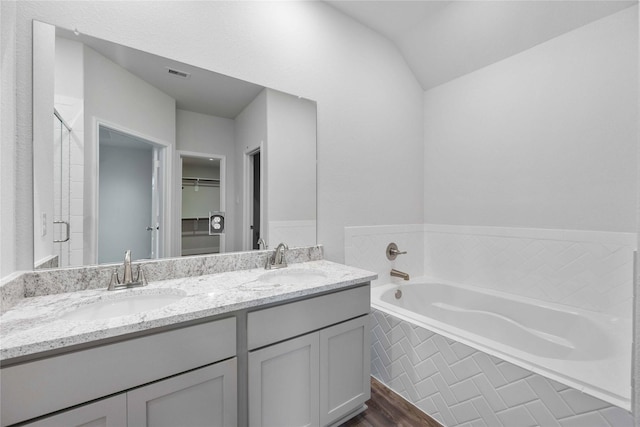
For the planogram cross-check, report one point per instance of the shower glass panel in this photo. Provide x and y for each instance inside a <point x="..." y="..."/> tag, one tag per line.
<point x="61" y="192"/>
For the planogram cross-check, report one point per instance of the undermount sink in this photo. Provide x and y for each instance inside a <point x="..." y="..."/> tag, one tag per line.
<point x="123" y="306"/>
<point x="292" y="276"/>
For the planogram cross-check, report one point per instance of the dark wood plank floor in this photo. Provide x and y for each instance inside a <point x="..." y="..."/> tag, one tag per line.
<point x="386" y="409"/>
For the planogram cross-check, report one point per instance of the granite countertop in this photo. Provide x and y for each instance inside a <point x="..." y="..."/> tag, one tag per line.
<point x="34" y="325"/>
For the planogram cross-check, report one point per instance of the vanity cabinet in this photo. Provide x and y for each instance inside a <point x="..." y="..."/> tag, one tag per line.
<point x="315" y="379"/>
<point x="41" y="387"/>
<point x="203" y="397"/>
<point x="345" y="369"/>
<point x="304" y="362"/>
<point x="284" y="384"/>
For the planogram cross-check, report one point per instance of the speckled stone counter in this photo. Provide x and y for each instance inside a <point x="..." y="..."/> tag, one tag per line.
<point x="23" y="284"/>
<point x="34" y="325"/>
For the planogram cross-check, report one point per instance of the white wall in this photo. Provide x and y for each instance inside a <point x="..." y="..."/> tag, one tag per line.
<point x="544" y="139"/>
<point x="522" y="153"/>
<point x="369" y="103"/>
<point x="132" y="105"/>
<point x="13" y="255"/>
<point x="291" y="172"/>
<point x="43" y="169"/>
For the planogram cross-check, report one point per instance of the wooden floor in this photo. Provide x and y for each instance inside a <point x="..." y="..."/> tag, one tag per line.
<point x="386" y="409"/>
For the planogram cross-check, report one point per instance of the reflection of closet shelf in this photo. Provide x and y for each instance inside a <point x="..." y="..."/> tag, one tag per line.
<point x="205" y="182"/>
<point x="195" y="226"/>
<point x="196" y="233"/>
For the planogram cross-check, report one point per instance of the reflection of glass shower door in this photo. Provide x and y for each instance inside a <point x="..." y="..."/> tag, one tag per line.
<point x="61" y="192"/>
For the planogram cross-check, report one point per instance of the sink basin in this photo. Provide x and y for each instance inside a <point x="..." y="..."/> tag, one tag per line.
<point x="122" y="306"/>
<point x="292" y="276"/>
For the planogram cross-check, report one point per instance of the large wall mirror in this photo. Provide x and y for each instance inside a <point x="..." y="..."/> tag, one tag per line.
<point x="134" y="151"/>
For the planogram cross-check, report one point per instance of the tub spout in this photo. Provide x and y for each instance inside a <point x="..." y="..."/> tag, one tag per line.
<point x="400" y="274"/>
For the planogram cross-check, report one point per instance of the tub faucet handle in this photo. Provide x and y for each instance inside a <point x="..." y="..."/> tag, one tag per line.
<point x="393" y="252"/>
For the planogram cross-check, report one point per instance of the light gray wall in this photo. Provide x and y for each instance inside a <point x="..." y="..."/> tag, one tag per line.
<point x="69" y="75"/>
<point x="545" y="139"/>
<point x="369" y="103"/>
<point x="125" y="202"/>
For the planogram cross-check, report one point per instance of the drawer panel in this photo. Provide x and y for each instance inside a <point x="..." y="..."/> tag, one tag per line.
<point x="281" y="322"/>
<point x="36" y="388"/>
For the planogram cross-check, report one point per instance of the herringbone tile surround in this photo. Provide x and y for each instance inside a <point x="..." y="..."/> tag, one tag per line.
<point x="461" y="386"/>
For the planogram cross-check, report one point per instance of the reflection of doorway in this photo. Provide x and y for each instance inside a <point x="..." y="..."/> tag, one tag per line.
<point x="255" y="217"/>
<point x="128" y="196"/>
<point x="253" y="200"/>
<point x="202" y="189"/>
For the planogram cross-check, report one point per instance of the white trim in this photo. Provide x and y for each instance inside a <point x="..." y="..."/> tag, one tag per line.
<point x="165" y="166"/>
<point x="247" y="214"/>
<point x="604" y="237"/>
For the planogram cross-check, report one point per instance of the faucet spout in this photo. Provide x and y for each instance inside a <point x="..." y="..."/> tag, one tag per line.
<point x="400" y="274"/>
<point x="279" y="257"/>
<point x="128" y="274"/>
<point x="278" y="260"/>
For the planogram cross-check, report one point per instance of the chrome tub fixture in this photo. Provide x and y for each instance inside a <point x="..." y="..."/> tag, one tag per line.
<point x="400" y="274"/>
<point x="393" y="252"/>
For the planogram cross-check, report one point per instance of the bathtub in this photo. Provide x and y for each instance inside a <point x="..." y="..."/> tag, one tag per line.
<point x="587" y="351"/>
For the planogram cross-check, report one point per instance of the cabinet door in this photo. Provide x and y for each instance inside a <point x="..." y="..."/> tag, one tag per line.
<point x="199" y="398"/>
<point x="345" y="368"/>
<point x="284" y="383"/>
<point x="111" y="412"/>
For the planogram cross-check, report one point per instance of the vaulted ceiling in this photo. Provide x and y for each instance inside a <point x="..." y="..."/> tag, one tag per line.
<point x="442" y="40"/>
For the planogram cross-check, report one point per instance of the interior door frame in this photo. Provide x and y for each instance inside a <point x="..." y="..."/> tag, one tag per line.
<point x="247" y="214"/>
<point x="177" y="236"/>
<point x="162" y="243"/>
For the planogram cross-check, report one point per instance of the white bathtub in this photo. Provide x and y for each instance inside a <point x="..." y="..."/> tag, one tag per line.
<point x="584" y="350"/>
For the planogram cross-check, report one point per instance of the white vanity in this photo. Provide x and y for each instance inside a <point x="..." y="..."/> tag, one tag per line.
<point x="239" y="348"/>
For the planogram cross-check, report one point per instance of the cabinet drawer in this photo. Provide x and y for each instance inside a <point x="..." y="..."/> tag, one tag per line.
<point x="281" y="322"/>
<point x="109" y="412"/>
<point x="36" y="388"/>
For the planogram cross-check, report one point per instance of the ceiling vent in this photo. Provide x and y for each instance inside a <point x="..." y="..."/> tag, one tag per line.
<point x="178" y="73"/>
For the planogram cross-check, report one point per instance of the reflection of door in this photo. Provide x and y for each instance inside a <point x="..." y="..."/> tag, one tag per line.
<point x="125" y="197"/>
<point x="255" y="199"/>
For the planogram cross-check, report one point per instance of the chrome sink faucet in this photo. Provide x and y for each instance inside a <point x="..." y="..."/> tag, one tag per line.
<point x="262" y="244"/>
<point x="279" y="257"/>
<point x="127" y="277"/>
